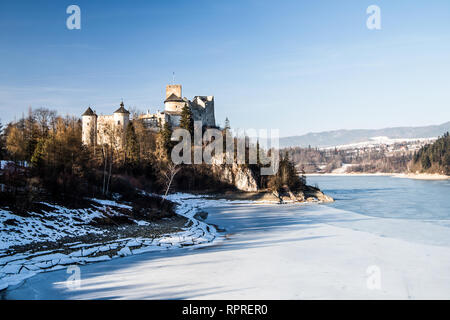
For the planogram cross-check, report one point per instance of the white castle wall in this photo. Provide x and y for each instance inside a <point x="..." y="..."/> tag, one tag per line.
<point x="89" y="130"/>
<point x="101" y="129"/>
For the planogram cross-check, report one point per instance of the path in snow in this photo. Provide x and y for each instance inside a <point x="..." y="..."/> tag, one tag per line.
<point x="271" y="252"/>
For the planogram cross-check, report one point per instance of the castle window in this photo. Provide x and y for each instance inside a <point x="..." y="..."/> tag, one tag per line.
<point x="118" y="122"/>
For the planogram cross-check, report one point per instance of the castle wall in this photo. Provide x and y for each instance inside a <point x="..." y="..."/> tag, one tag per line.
<point x="112" y="127"/>
<point x="210" y="113"/>
<point x="174" y="106"/>
<point x="89" y="130"/>
<point x="203" y="110"/>
<point x="104" y="127"/>
<point x="154" y="121"/>
<point x="175" y="120"/>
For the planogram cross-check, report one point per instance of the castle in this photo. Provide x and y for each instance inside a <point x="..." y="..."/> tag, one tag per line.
<point x="110" y="129"/>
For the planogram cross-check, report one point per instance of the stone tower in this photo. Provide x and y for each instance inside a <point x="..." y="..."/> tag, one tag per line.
<point x="173" y="89"/>
<point x="89" y="127"/>
<point x="174" y="102"/>
<point x="121" y="119"/>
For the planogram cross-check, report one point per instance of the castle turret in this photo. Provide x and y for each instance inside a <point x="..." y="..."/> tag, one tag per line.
<point x="89" y="127"/>
<point x="174" y="101"/>
<point x="121" y="118"/>
<point x="173" y="89"/>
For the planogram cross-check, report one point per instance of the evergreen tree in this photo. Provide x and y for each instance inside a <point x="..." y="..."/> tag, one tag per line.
<point x="287" y="176"/>
<point x="187" y="120"/>
<point x="37" y="160"/>
<point x="165" y="140"/>
<point x="132" y="148"/>
<point x="433" y="158"/>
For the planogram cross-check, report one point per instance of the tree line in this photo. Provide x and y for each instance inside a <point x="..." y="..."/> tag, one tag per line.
<point x="433" y="158"/>
<point x="313" y="160"/>
<point x="49" y="161"/>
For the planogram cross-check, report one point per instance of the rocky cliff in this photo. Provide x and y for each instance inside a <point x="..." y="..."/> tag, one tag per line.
<point x="239" y="176"/>
<point x="308" y="194"/>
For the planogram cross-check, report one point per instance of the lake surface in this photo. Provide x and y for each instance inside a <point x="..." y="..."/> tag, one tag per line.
<point x="388" y="197"/>
<point x="291" y="251"/>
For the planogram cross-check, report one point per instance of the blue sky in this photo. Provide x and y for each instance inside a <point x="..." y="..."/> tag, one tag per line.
<point x="299" y="66"/>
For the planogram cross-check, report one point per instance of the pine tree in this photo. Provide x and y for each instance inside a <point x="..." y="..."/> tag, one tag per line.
<point x="187" y="120"/>
<point x="37" y="160"/>
<point x="132" y="148"/>
<point x="165" y="140"/>
<point x="434" y="158"/>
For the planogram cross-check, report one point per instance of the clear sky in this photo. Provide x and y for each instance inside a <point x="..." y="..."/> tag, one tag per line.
<point x="299" y="66"/>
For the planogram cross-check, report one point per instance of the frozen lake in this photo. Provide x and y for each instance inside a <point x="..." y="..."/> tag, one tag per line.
<point x="388" y="197"/>
<point x="291" y="252"/>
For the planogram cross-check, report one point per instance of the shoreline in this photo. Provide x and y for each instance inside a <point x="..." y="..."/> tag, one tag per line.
<point x="18" y="266"/>
<point x="414" y="176"/>
<point x="422" y="176"/>
<point x="350" y="174"/>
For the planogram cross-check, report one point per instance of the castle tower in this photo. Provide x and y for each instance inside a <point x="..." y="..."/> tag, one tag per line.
<point x="121" y="119"/>
<point x="174" y="102"/>
<point x="89" y="127"/>
<point x="173" y="89"/>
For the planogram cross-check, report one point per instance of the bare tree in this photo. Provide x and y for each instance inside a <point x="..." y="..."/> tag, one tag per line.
<point x="111" y="140"/>
<point x="44" y="118"/>
<point x="169" y="174"/>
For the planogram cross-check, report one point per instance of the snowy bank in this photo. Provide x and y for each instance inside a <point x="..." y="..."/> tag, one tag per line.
<point x="423" y="176"/>
<point x="275" y="252"/>
<point x="60" y="222"/>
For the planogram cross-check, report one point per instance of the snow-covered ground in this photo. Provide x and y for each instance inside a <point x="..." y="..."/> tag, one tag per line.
<point x="274" y="252"/>
<point x="55" y="222"/>
<point x="386" y="141"/>
<point x="343" y="169"/>
<point x="60" y="222"/>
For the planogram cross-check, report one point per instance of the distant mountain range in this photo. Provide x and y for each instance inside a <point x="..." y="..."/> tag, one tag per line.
<point x="342" y="137"/>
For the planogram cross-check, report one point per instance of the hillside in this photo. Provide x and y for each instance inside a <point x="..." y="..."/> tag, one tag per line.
<point x="433" y="158"/>
<point x="342" y="137"/>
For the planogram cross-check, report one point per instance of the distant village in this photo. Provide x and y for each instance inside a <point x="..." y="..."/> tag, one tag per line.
<point x="380" y="154"/>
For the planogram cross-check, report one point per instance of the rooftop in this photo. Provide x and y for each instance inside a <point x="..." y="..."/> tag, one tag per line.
<point x="89" y="112"/>
<point x="173" y="98"/>
<point x="122" y="109"/>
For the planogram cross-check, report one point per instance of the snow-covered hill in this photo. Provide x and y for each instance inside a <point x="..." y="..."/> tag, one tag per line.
<point x="345" y="137"/>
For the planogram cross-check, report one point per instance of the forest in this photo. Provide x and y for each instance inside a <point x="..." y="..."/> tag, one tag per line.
<point x="433" y="158"/>
<point x="315" y="160"/>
